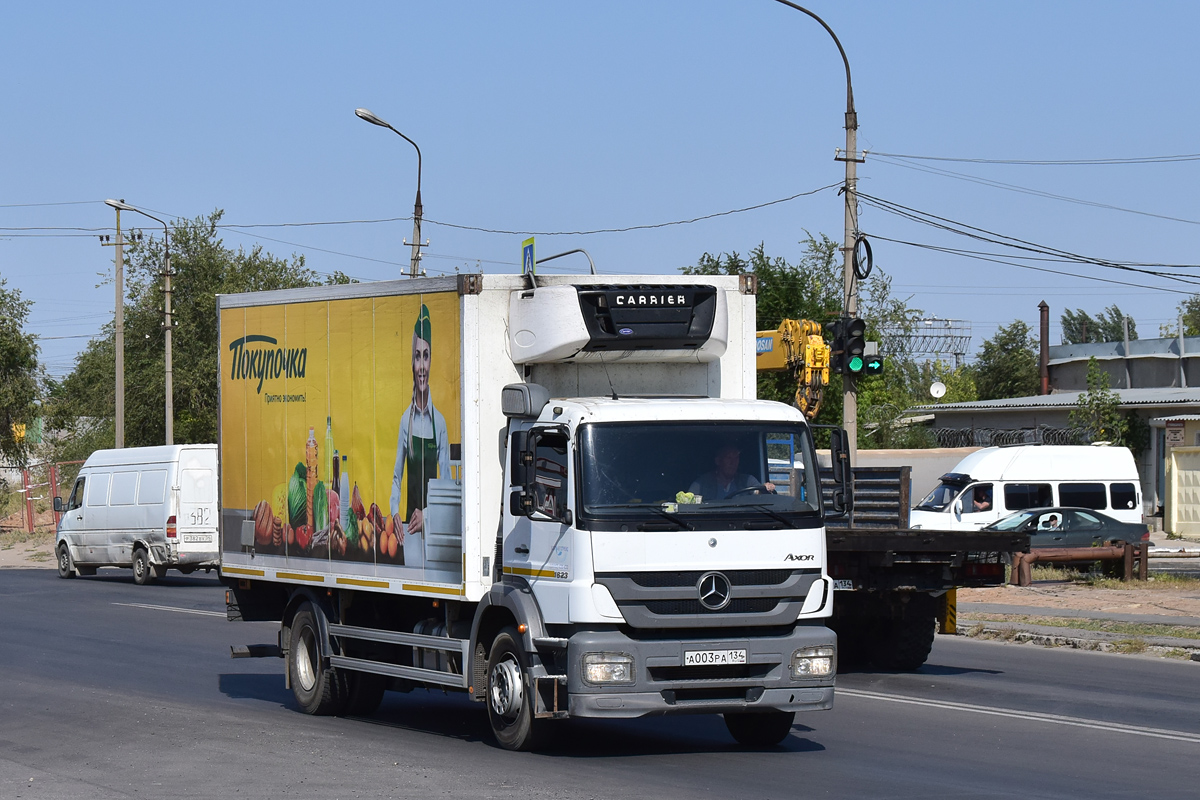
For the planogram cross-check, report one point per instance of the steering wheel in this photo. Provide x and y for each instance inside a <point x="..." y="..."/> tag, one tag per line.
<point x="748" y="489"/>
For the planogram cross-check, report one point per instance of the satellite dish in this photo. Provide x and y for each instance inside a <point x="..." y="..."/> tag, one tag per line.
<point x="938" y="390"/>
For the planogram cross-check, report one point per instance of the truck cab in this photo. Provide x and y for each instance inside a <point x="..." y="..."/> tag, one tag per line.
<point x="657" y="597"/>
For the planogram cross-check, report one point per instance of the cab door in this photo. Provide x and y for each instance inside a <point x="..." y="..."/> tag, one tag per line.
<point x="70" y="527"/>
<point x="537" y="522"/>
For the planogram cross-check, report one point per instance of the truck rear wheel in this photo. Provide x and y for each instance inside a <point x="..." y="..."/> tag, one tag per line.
<point x="908" y="638"/>
<point x="66" y="566"/>
<point x="760" y="730"/>
<point x="142" y="574"/>
<point x="318" y="691"/>
<point x="510" y="699"/>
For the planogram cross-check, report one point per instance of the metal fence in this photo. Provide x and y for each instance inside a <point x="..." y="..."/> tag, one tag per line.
<point x="989" y="437"/>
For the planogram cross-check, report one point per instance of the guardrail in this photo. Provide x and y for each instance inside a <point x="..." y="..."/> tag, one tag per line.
<point x="1022" y="563"/>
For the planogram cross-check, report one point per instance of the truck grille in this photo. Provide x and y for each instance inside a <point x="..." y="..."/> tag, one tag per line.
<point x="672" y="599"/>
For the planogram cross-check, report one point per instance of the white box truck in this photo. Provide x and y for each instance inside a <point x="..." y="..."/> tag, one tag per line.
<point x="147" y="508"/>
<point x="554" y="498"/>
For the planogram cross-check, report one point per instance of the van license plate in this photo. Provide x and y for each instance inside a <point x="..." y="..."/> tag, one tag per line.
<point x="699" y="658"/>
<point x="197" y="538"/>
<point x="843" y="585"/>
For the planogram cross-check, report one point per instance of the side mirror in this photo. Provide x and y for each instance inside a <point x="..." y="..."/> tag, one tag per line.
<point x="520" y="459"/>
<point x="58" y="505"/>
<point x="958" y="509"/>
<point x="520" y="504"/>
<point x="842" y="497"/>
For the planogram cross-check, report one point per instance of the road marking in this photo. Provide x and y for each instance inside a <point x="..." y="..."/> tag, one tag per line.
<point x="1055" y="719"/>
<point x="174" y="608"/>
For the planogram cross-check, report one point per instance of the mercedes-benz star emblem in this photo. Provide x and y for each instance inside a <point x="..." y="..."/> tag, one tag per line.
<point x="714" y="591"/>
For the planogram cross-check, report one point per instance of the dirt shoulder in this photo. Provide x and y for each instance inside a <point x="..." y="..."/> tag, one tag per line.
<point x="26" y="551"/>
<point x="1151" y="597"/>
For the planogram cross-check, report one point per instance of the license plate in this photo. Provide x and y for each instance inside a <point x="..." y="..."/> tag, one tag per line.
<point x="699" y="658"/>
<point x="843" y="585"/>
<point x="197" y="538"/>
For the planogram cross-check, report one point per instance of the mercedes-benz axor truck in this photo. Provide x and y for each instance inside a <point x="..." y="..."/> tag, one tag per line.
<point x="553" y="496"/>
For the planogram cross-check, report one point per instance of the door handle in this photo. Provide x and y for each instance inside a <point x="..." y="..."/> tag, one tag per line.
<point x="521" y="549"/>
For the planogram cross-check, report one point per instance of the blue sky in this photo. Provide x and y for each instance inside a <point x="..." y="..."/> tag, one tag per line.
<point x="568" y="116"/>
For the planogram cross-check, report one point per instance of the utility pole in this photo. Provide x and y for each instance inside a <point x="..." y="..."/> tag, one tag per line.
<point x="119" y="329"/>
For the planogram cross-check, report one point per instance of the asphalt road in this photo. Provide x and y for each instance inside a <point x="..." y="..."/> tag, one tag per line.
<point x="111" y="690"/>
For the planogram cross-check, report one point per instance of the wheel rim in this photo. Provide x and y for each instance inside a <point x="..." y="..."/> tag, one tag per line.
<point x="64" y="561"/>
<point x="506" y="692"/>
<point x="306" y="673"/>
<point x="139" y="567"/>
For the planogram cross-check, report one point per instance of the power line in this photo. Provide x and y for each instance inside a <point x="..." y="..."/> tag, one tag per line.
<point x="1049" y="162"/>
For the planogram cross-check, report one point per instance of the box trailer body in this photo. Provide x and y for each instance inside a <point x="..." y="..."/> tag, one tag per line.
<point x="148" y="508"/>
<point x="483" y="484"/>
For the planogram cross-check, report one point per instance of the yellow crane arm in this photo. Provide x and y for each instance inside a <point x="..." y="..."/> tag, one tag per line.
<point x="798" y="347"/>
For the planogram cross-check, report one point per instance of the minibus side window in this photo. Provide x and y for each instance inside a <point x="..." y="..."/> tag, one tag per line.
<point x="1123" y="495"/>
<point x="76" y="498"/>
<point x="1084" y="495"/>
<point x="1019" y="496"/>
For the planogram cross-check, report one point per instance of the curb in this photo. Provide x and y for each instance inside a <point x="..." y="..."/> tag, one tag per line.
<point x="1097" y="642"/>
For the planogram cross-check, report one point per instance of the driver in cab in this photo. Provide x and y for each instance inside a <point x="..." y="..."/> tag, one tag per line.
<point x="725" y="481"/>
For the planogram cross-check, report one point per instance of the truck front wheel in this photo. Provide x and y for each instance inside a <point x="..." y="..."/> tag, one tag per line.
<point x="760" y="730"/>
<point x="318" y="691"/>
<point x="510" y="699"/>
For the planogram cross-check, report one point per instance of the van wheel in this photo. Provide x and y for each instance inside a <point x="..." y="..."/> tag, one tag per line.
<point x="318" y="691"/>
<point x="66" y="565"/>
<point x="142" y="573"/>
<point x="510" y="699"/>
<point x="760" y="730"/>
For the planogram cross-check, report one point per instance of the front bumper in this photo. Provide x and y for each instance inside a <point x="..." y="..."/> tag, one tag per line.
<point x="662" y="685"/>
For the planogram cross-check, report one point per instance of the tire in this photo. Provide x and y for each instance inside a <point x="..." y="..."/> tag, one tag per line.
<point x="908" y="639"/>
<point x="142" y="572"/>
<point x="66" y="564"/>
<point x="510" y="698"/>
<point x="760" y="730"/>
<point x="365" y="693"/>
<point x="321" y="692"/>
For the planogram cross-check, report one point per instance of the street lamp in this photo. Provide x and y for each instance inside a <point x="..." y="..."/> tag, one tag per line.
<point x="167" y="325"/>
<point x="850" y="292"/>
<point x="415" y="269"/>
<point x="119" y="327"/>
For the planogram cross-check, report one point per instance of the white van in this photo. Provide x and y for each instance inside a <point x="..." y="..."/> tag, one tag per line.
<point x="996" y="481"/>
<point x="149" y="508"/>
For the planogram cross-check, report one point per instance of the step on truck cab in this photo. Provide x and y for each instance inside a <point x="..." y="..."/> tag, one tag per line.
<point x="554" y="497"/>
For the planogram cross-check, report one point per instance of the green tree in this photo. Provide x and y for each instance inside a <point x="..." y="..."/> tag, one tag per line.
<point x="1007" y="365"/>
<point x="1098" y="414"/>
<point x="1078" y="327"/>
<point x="1189" y="310"/>
<point x="204" y="267"/>
<point x="20" y="375"/>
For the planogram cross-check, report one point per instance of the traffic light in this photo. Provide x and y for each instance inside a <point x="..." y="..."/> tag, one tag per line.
<point x="873" y="365"/>
<point x="854" y="342"/>
<point x="837" y="346"/>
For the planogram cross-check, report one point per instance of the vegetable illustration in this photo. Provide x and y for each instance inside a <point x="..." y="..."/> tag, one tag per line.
<point x="297" y="504"/>
<point x="320" y="507"/>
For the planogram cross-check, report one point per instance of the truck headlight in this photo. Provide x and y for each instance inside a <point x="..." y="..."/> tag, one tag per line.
<point x="813" y="662"/>
<point x="607" y="668"/>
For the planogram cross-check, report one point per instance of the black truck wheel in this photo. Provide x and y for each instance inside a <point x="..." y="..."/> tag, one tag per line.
<point x="908" y="638"/>
<point x="760" y="730"/>
<point x="66" y="566"/>
<point x="510" y="699"/>
<point x="318" y="691"/>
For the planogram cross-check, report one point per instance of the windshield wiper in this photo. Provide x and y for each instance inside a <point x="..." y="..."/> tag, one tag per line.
<point x="685" y="525"/>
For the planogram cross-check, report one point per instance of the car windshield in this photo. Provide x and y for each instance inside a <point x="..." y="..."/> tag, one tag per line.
<point x="1012" y="522"/>
<point x="698" y="475"/>
<point x="941" y="497"/>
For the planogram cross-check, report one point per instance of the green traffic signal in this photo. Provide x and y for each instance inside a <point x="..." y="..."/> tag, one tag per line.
<point x="873" y="366"/>
<point x="854" y="365"/>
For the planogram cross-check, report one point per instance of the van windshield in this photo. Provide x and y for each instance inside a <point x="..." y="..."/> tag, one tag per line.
<point x="941" y="497"/>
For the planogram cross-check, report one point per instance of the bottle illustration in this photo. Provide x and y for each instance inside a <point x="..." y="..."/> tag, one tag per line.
<point x="344" y="496"/>
<point x="336" y="475"/>
<point x="310" y="463"/>
<point x="329" y="449"/>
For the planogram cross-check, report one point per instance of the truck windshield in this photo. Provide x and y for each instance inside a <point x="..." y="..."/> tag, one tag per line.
<point x="941" y="497"/>
<point x="698" y="476"/>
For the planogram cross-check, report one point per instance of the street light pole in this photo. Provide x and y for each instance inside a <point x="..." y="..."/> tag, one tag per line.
<point x="850" y="288"/>
<point x="121" y="205"/>
<point x="119" y="331"/>
<point x="415" y="268"/>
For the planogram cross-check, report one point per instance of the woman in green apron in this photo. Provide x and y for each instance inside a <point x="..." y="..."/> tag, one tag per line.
<point x="423" y="446"/>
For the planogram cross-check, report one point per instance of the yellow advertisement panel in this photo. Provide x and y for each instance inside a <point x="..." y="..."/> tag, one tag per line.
<point x="341" y="433"/>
